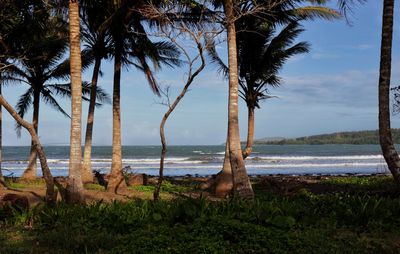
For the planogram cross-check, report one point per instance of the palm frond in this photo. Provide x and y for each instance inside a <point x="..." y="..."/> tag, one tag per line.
<point x="316" y="12"/>
<point x="101" y="95"/>
<point x="48" y="98"/>
<point x="214" y="57"/>
<point x="23" y="104"/>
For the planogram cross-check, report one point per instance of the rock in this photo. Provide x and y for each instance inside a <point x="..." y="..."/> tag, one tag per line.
<point x="137" y="179"/>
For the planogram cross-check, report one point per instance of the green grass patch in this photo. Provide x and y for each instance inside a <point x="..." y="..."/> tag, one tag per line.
<point x="305" y="222"/>
<point x="93" y="186"/>
<point x="167" y="186"/>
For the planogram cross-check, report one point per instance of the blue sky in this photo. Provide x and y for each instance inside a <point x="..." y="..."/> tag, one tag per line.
<point x="333" y="88"/>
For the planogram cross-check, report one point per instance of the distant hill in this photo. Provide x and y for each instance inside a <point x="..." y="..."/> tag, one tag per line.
<point x="351" y="137"/>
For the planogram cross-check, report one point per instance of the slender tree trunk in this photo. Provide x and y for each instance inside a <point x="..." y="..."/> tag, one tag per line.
<point x="51" y="195"/>
<point x="241" y="183"/>
<point x="171" y="108"/>
<point x="385" y="135"/>
<point x="224" y="179"/>
<point x="31" y="171"/>
<point x="116" y="177"/>
<point x="87" y="175"/>
<point x="250" y="133"/>
<point x="74" y="185"/>
<point x="1" y="134"/>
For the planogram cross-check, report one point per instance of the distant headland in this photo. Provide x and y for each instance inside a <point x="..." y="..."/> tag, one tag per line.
<point x="350" y="137"/>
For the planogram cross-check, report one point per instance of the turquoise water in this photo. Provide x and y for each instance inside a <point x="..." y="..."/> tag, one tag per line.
<point x="207" y="160"/>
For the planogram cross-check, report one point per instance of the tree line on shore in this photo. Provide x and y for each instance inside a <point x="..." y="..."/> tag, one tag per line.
<point x="348" y="137"/>
<point x="260" y="37"/>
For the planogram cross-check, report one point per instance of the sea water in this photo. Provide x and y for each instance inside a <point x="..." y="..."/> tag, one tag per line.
<point x="207" y="160"/>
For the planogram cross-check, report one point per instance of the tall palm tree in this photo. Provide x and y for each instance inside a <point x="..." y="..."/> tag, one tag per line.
<point x="44" y="43"/>
<point x="262" y="52"/>
<point x="97" y="41"/>
<point x="241" y="183"/>
<point x="37" y="71"/>
<point x="74" y="185"/>
<point x="270" y="13"/>
<point x="131" y="46"/>
<point x="385" y="136"/>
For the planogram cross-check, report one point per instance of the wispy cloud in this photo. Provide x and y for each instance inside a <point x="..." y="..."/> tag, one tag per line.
<point x="351" y="88"/>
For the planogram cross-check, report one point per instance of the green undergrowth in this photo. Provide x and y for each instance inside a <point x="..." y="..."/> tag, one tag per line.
<point x="369" y="184"/>
<point x="301" y="223"/>
<point x="167" y="186"/>
<point x="22" y="184"/>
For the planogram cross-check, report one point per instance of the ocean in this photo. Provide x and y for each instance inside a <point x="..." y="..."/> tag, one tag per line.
<point x="207" y="160"/>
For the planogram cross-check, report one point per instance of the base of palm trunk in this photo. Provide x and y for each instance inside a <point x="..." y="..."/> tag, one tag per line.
<point x="30" y="174"/>
<point x="87" y="176"/>
<point x="116" y="183"/>
<point x="241" y="185"/>
<point x="74" y="193"/>
<point x="223" y="184"/>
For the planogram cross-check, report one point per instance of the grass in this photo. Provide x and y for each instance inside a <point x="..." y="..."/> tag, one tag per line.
<point x="306" y="222"/>
<point x="22" y="184"/>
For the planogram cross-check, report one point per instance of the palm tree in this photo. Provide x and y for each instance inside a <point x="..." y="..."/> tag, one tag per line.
<point x="44" y="43"/>
<point x="74" y="185"/>
<point x="37" y="70"/>
<point x="131" y="45"/>
<point x="385" y="136"/>
<point x="260" y="57"/>
<point x="97" y="41"/>
<point x="271" y="13"/>
<point x="241" y="183"/>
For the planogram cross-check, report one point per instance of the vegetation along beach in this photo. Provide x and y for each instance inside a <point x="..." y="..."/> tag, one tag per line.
<point x="211" y="126"/>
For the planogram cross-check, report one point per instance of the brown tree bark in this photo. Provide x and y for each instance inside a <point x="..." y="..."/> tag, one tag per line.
<point x="241" y="184"/>
<point x="31" y="171"/>
<point x="87" y="175"/>
<point x="74" y="190"/>
<point x="1" y="136"/>
<point x="116" y="177"/>
<point x="224" y="179"/>
<point x="385" y="135"/>
<point x="250" y="133"/>
<point x="51" y="195"/>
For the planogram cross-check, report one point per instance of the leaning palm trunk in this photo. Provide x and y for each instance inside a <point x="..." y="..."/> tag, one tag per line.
<point x="250" y="133"/>
<point x="116" y="177"/>
<point x="74" y="190"/>
<point x="31" y="171"/>
<point x="385" y="135"/>
<point x="241" y="183"/>
<point x="87" y="175"/>
<point x="50" y="193"/>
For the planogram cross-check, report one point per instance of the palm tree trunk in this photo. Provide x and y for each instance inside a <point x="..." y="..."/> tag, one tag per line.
<point x="87" y="175"/>
<point x="51" y="195"/>
<point x="241" y="183"/>
<point x="31" y="171"/>
<point x="74" y="188"/>
<point x="250" y="133"/>
<point x="116" y="177"/>
<point x="1" y="135"/>
<point x="385" y="135"/>
<point x="224" y="179"/>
